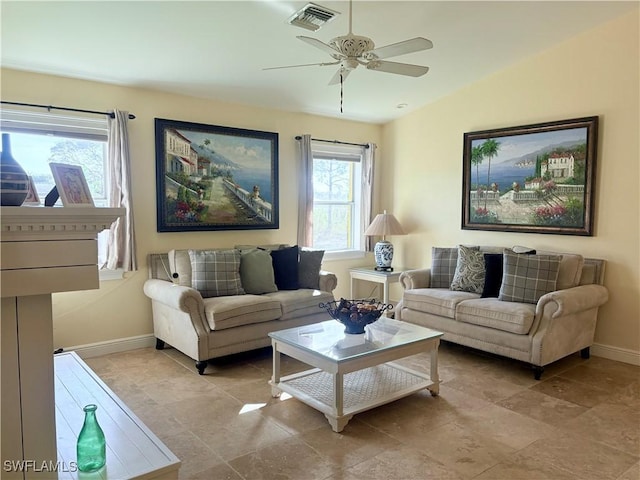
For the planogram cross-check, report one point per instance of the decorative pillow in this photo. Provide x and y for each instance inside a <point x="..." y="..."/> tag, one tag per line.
<point x="285" y="267"/>
<point x="469" y="273"/>
<point x="521" y="249"/>
<point x="443" y="266"/>
<point x="525" y="278"/>
<point x="493" y="274"/>
<point x="309" y="268"/>
<point x="256" y="272"/>
<point x="215" y="273"/>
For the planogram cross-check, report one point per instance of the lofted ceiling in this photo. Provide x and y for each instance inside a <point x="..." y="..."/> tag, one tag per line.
<point x="216" y="49"/>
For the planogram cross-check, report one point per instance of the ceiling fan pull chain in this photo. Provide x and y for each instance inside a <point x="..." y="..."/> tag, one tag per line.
<point x="341" y="92"/>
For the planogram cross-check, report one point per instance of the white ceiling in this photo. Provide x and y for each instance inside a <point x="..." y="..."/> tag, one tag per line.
<point x="216" y="49"/>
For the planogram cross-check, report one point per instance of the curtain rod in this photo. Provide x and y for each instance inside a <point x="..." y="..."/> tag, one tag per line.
<point x="51" y="107"/>
<point x="336" y="141"/>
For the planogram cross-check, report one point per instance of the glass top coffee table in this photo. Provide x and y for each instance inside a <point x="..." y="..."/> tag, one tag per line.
<point x="353" y="373"/>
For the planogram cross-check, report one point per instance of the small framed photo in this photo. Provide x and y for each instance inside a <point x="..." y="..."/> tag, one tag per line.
<point x="32" y="194"/>
<point x="72" y="185"/>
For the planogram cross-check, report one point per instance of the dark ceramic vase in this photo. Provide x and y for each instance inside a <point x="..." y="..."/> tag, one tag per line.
<point x="14" y="182"/>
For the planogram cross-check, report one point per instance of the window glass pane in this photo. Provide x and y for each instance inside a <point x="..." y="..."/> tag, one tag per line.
<point x="34" y="152"/>
<point x="332" y="180"/>
<point x="332" y="226"/>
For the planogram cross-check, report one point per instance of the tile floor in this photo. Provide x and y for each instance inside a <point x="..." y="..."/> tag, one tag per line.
<point x="492" y="420"/>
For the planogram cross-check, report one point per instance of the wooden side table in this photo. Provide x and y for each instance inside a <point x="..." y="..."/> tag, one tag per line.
<point x="370" y="274"/>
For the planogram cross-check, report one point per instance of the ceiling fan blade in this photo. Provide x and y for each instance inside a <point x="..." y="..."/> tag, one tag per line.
<point x="303" y="65"/>
<point x="398" y="68"/>
<point x="321" y="45"/>
<point x="408" y="46"/>
<point x="335" y="80"/>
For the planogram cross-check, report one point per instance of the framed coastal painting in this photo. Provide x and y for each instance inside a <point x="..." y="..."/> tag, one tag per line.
<point x="211" y="177"/>
<point x="534" y="178"/>
<point x="72" y="185"/>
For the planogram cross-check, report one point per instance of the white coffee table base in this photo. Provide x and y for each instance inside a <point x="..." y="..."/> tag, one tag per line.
<point x="340" y="397"/>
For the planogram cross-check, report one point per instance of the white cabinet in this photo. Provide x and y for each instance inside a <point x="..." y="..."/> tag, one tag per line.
<point x="43" y="250"/>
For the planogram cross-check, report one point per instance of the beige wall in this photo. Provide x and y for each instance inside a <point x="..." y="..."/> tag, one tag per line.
<point x="120" y="309"/>
<point x="594" y="74"/>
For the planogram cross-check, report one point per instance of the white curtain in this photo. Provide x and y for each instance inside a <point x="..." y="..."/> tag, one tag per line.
<point x="121" y="248"/>
<point x="368" y="167"/>
<point x="305" y="193"/>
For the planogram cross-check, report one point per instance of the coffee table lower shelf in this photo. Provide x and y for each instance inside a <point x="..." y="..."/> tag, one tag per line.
<point x="361" y="390"/>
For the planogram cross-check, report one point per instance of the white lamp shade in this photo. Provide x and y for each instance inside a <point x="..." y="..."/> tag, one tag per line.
<point x="384" y="224"/>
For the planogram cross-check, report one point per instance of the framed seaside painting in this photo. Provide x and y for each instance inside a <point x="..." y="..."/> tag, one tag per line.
<point x="534" y="178"/>
<point x="211" y="177"/>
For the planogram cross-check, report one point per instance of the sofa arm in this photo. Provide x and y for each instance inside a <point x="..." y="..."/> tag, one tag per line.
<point x="410" y="279"/>
<point x="574" y="300"/>
<point x="174" y="296"/>
<point x="327" y="281"/>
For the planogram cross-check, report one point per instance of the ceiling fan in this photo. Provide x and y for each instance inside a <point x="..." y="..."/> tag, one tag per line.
<point x="349" y="51"/>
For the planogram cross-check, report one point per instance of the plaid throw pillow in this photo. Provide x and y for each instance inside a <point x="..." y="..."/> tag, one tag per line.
<point x="525" y="278"/>
<point x="443" y="266"/>
<point x="215" y="273"/>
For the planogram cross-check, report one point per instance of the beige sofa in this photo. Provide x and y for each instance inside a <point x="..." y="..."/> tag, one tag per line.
<point x="206" y="328"/>
<point x="559" y="323"/>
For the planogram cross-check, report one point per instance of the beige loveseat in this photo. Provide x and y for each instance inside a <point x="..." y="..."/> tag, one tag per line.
<point x="559" y="323"/>
<point x="208" y="327"/>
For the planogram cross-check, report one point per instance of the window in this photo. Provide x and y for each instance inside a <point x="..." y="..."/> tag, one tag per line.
<point x="40" y="138"/>
<point x="337" y="198"/>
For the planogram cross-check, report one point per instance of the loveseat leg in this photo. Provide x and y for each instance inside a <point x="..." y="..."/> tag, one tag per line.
<point x="585" y="353"/>
<point x="201" y="366"/>
<point x="159" y="344"/>
<point x="537" y="371"/>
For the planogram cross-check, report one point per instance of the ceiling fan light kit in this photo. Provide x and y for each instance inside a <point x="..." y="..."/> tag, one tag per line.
<point x="349" y="51"/>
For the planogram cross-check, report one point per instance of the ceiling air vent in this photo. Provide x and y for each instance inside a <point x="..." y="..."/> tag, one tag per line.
<point x="312" y="16"/>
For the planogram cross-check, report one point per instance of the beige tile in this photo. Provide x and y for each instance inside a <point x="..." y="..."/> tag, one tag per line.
<point x="192" y="452"/>
<point x="509" y="470"/>
<point x="195" y="410"/>
<point x="542" y="407"/>
<point x="400" y="463"/>
<point x="604" y="374"/>
<point x="464" y="450"/>
<point x="616" y="426"/>
<point x="511" y="429"/>
<point x="289" y="459"/>
<point x="294" y="416"/>
<point x="241" y="434"/>
<point x="579" y="456"/>
<point x="571" y="391"/>
<point x="221" y="471"/>
<point x="632" y="474"/>
<point x="350" y="447"/>
<point x="480" y="385"/>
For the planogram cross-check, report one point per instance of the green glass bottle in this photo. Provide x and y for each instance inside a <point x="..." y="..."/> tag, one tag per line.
<point x="91" y="448"/>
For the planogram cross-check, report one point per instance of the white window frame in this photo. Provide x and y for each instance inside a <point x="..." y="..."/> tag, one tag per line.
<point x="349" y="153"/>
<point x="67" y="126"/>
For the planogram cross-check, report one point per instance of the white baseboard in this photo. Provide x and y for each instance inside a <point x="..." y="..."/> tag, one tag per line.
<point x="616" y="353"/>
<point x="113" y="346"/>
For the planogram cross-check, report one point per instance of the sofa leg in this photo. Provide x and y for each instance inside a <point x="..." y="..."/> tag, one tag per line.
<point x="201" y="366"/>
<point x="537" y="371"/>
<point x="159" y="344"/>
<point x="585" y="353"/>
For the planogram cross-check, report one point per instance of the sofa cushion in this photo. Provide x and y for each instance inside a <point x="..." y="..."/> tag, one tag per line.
<point x="525" y="278"/>
<point x="216" y="273"/>
<point x="570" y="270"/>
<point x="309" y="265"/>
<point x="256" y="271"/>
<point x="300" y="303"/>
<point x="437" y="301"/>
<point x="233" y="311"/>
<point x="493" y="313"/>
<point x="285" y="267"/>
<point x="443" y="265"/>
<point x="470" y="272"/>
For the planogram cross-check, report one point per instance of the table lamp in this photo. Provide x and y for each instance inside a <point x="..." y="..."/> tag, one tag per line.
<point x="384" y="224"/>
